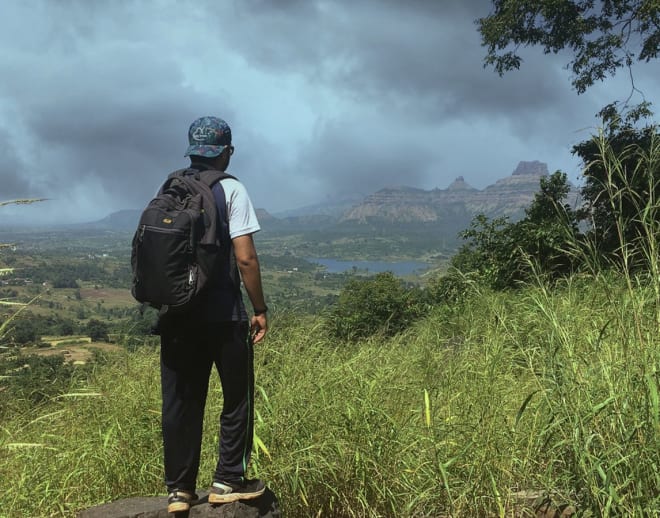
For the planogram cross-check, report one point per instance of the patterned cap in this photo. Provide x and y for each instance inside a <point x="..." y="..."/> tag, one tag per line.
<point x="208" y="136"/>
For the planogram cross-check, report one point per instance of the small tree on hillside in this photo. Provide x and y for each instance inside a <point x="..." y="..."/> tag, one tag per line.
<point x="505" y="254"/>
<point x="97" y="330"/>
<point x="378" y="304"/>
<point x="5" y="325"/>
<point x="621" y="190"/>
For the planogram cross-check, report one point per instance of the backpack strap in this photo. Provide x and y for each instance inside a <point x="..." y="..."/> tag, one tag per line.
<point x="212" y="178"/>
<point x="192" y="177"/>
<point x="221" y="206"/>
<point x="223" y="222"/>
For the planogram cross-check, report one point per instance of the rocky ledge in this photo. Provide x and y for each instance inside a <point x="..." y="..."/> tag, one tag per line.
<point x="156" y="507"/>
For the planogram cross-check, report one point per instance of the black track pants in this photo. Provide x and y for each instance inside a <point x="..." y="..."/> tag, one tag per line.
<point x="188" y="352"/>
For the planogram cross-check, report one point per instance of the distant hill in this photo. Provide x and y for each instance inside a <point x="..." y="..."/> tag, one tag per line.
<point x="333" y="207"/>
<point x="128" y="220"/>
<point x="399" y="208"/>
<point x="460" y="201"/>
<point x="121" y="220"/>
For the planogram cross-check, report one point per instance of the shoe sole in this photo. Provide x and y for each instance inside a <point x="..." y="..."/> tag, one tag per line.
<point x="178" y="507"/>
<point x="234" y="497"/>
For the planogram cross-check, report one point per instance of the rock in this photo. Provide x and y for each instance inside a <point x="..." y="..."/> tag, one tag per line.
<point x="460" y="185"/>
<point x="156" y="507"/>
<point x="460" y="202"/>
<point x="534" y="167"/>
<point x="541" y="504"/>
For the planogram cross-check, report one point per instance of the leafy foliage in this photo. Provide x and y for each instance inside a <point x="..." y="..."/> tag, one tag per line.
<point x="505" y="253"/>
<point x="378" y="304"/>
<point x="601" y="35"/>
<point x="34" y="378"/>
<point x="97" y="330"/>
<point x="22" y="332"/>
<point x="27" y="327"/>
<point x="621" y="190"/>
<point x="487" y="251"/>
<point x="621" y="165"/>
<point x="451" y="289"/>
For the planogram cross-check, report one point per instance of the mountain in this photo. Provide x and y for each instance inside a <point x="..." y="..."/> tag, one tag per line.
<point x="121" y="220"/>
<point x="333" y="207"/>
<point x="128" y="220"/>
<point x="264" y="216"/>
<point x="399" y="207"/>
<point x="459" y="202"/>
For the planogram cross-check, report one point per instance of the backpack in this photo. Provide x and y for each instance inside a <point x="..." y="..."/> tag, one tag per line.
<point x="176" y="246"/>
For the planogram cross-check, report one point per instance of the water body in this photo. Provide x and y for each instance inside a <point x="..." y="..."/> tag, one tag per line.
<point x="396" y="267"/>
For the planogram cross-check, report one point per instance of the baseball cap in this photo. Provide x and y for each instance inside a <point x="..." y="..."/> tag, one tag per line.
<point x="208" y="136"/>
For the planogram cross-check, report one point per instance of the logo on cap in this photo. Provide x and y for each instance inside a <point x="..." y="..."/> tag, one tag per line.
<point x="202" y="134"/>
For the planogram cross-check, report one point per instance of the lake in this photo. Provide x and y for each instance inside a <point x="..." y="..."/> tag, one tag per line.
<point x="396" y="267"/>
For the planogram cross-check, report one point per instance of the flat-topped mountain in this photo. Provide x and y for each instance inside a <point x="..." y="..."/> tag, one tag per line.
<point x="506" y="197"/>
<point x="444" y="210"/>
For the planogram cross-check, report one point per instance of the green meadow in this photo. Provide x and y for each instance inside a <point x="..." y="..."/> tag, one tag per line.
<point x="529" y="382"/>
<point x="478" y="409"/>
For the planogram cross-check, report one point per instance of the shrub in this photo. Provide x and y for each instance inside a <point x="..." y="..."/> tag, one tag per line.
<point x="504" y="254"/>
<point x="97" y="330"/>
<point x="34" y="379"/>
<point x="622" y="195"/>
<point x="378" y="304"/>
<point x="22" y="332"/>
<point x="452" y="288"/>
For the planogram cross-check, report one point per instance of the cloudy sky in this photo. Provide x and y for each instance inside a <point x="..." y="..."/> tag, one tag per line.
<point x="324" y="97"/>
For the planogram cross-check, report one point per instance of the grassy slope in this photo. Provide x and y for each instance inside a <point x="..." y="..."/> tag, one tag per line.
<point x="535" y="391"/>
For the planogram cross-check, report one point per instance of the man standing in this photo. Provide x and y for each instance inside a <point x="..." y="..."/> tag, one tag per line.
<point x="217" y="333"/>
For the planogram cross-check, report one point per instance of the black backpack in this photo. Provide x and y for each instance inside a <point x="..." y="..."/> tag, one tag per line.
<point x="176" y="246"/>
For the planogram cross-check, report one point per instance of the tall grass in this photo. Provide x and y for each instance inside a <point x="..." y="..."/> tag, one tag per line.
<point x="542" y="393"/>
<point x="4" y="325"/>
<point x="477" y="410"/>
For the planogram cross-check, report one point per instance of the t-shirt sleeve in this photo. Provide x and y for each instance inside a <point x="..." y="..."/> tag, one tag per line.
<point x="240" y="212"/>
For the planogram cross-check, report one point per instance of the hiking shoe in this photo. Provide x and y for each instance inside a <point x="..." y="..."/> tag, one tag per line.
<point x="224" y="492"/>
<point x="178" y="501"/>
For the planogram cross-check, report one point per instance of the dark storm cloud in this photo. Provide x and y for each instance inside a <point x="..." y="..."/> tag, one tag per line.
<point x="14" y="174"/>
<point x="379" y="50"/>
<point x="362" y="162"/>
<point x="323" y="96"/>
<point x="128" y="143"/>
<point x="114" y="112"/>
<point x="420" y="64"/>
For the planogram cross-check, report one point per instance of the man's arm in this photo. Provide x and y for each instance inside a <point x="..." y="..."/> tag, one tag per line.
<point x="248" y="264"/>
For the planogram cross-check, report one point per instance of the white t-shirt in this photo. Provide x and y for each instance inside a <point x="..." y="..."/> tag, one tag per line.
<point x="240" y="212"/>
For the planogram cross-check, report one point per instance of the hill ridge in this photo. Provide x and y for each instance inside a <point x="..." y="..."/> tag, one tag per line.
<point x="508" y="196"/>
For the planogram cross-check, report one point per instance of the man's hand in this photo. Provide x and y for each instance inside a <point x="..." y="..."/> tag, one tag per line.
<point x="258" y="327"/>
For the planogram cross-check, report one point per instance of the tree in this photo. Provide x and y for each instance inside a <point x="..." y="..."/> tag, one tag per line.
<point x="66" y="327"/>
<point x="378" y="304"/>
<point x="505" y="254"/>
<point x="63" y="281"/>
<point x="97" y="330"/>
<point x="549" y="230"/>
<point x="489" y="251"/>
<point x="622" y="191"/>
<point x="604" y="35"/>
<point x="621" y="165"/>
<point x="23" y="332"/>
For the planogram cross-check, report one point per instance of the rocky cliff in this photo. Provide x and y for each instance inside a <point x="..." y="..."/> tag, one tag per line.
<point x="506" y="197"/>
